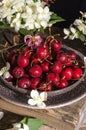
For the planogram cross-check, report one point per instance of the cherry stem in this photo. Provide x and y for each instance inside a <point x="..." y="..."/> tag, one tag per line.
<point x="49" y="61"/>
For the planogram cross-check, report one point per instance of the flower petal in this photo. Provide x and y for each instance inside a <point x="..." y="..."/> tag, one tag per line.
<point x="41" y="105"/>
<point x="32" y="102"/>
<point x="25" y="127"/>
<point x="43" y="96"/>
<point x="34" y="94"/>
<point x="73" y="30"/>
<point x="17" y="126"/>
<point x="66" y="31"/>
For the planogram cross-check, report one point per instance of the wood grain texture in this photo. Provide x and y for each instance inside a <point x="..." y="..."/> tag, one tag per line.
<point x="65" y="117"/>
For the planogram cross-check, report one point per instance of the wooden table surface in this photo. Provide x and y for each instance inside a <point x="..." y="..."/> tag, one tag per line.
<point x="67" y="117"/>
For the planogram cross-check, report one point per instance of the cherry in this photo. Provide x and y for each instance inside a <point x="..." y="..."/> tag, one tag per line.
<point x="52" y="77"/>
<point x="9" y="55"/>
<point x="68" y="61"/>
<point x="42" y="52"/>
<point x="35" y="71"/>
<point x="26" y="75"/>
<point x="13" y="61"/>
<point x="24" y="82"/>
<point x="35" y="60"/>
<point x="44" y="86"/>
<point x="62" y="57"/>
<point x="77" y="72"/>
<point x="26" y="52"/>
<point x="56" y="79"/>
<point x="18" y="72"/>
<point x="67" y="73"/>
<point x="72" y="55"/>
<point x="34" y="82"/>
<point x="57" y="67"/>
<point x="45" y="66"/>
<point x="63" y="83"/>
<point x="56" y="45"/>
<point x="22" y="61"/>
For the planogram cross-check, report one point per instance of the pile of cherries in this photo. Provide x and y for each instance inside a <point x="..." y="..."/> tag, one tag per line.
<point x="46" y="68"/>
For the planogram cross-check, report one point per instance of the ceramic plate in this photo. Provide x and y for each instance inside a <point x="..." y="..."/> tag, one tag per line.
<point x="53" y="101"/>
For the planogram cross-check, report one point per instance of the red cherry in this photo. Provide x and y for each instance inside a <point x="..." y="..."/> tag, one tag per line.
<point x="77" y="73"/>
<point x="34" y="82"/>
<point x="35" y="59"/>
<point x="13" y="61"/>
<point x="45" y="66"/>
<point x="9" y="55"/>
<point x="26" y="52"/>
<point x="56" y="45"/>
<point x="68" y="61"/>
<point x="52" y="77"/>
<point x="67" y="73"/>
<point x="57" y="67"/>
<point x="56" y="79"/>
<point x="24" y="83"/>
<point x="23" y="61"/>
<point x="42" y="52"/>
<point x="72" y="55"/>
<point x="62" y="57"/>
<point x="44" y="86"/>
<point x="18" y="72"/>
<point x="63" y="83"/>
<point x="35" y="71"/>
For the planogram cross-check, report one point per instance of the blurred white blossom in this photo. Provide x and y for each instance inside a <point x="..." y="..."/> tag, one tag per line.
<point x="19" y="126"/>
<point x="77" y="29"/>
<point x="38" y="99"/>
<point x="25" y="14"/>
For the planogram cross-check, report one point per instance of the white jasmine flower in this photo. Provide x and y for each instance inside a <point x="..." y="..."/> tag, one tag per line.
<point x="44" y="24"/>
<point x="5" y="69"/>
<point x="16" y="22"/>
<point x="77" y="22"/>
<point x="82" y="28"/>
<point x="67" y="32"/>
<point x="83" y="14"/>
<point x="77" y="29"/>
<point x="6" y="2"/>
<point x="6" y="75"/>
<point x="26" y="14"/>
<point x="18" y="126"/>
<point x="19" y="6"/>
<point x="73" y="30"/>
<point x="6" y="12"/>
<point x="37" y="99"/>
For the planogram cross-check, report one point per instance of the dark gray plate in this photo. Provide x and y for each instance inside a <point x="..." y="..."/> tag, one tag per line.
<point x="53" y="101"/>
<point x="56" y="98"/>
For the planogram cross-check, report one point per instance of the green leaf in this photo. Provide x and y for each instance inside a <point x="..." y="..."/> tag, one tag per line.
<point x="33" y="124"/>
<point x="55" y="18"/>
<point x="25" y="31"/>
<point x="4" y="26"/>
<point x="42" y="29"/>
<point x="35" y="0"/>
